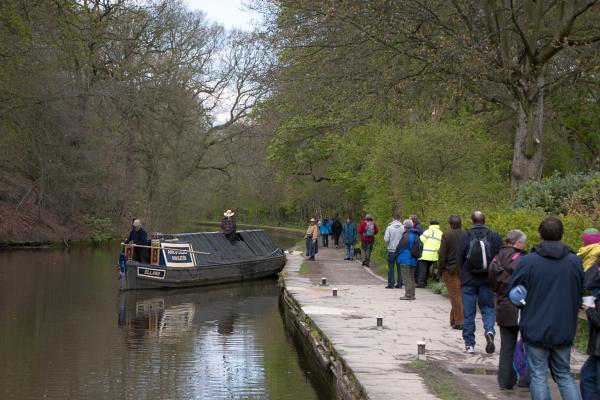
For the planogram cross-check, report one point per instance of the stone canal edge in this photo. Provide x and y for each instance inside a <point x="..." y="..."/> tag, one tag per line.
<point x="363" y="361"/>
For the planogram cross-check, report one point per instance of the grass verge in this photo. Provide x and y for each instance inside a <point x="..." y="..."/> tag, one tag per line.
<point x="582" y="335"/>
<point x="441" y="382"/>
<point x="304" y="268"/>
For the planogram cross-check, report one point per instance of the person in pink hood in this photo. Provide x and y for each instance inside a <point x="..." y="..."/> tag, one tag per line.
<point x="590" y="251"/>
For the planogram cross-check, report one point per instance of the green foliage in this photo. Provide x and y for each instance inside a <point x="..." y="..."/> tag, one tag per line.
<point x="438" y="288"/>
<point x="304" y="268"/>
<point x="528" y="221"/>
<point x="100" y="229"/>
<point x="556" y="194"/>
<point x="582" y="335"/>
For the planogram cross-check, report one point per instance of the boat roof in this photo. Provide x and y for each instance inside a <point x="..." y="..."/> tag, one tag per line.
<point x="249" y="245"/>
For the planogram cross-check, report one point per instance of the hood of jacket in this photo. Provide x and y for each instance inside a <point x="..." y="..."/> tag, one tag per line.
<point x="396" y="224"/>
<point x="552" y="249"/>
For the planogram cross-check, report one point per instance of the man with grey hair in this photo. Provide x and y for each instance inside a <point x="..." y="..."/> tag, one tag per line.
<point x="407" y="261"/>
<point x="138" y="236"/>
<point x="476" y="249"/>
<point x="507" y="315"/>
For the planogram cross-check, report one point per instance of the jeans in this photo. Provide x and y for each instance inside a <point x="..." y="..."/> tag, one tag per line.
<point x="325" y="239"/>
<point x="311" y="247"/>
<point x="590" y="379"/>
<point x="391" y="264"/>
<point x="471" y="296"/>
<point x="408" y="277"/>
<point x="367" y="248"/>
<point x="423" y="272"/>
<point x="349" y="250"/>
<point x="560" y="364"/>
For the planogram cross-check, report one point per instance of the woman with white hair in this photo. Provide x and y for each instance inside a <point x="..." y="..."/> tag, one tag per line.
<point x="507" y="315"/>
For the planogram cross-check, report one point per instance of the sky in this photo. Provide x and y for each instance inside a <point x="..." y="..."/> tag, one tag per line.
<point x="230" y="13"/>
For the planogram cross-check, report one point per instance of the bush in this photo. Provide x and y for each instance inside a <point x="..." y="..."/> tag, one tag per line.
<point x="100" y="229"/>
<point x="558" y="194"/>
<point x="503" y="220"/>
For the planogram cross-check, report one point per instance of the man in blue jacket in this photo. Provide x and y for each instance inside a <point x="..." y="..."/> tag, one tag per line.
<point x="475" y="286"/>
<point x="553" y="277"/>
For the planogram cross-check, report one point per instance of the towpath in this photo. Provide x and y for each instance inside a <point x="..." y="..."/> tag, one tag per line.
<point x="379" y="357"/>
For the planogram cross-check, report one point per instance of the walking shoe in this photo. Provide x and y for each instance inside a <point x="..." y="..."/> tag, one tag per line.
<point x="470" y="350"/>
<point x="389" y="287"/>
<point x="458" y="327"/>
<point x="398" y="287"/>
<point x="406" y="298"/>
<point x="489" y="347"/>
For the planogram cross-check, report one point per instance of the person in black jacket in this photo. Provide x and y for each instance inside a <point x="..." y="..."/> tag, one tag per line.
<point x="476" y="288"/>
<point x="590" y="372"/>
<point x="450" y="269"/>
<point x="228" y="227"/>
<point x="553" y="277"/>
<point x="336" y="230"/>
<point x="139" y="236"/>
<point x="507" y="315"/>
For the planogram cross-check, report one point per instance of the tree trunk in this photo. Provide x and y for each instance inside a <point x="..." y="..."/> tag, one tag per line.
<point x="528" y="159"/>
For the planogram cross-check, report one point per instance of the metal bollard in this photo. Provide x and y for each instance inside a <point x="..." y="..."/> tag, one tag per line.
<point x="334" y="292"/>
<point x="379" y="321"/>
<point x="421" y="350"/>
<point x="323" y="281"/>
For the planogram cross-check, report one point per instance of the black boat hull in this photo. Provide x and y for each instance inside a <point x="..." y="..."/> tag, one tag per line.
<point x="147" y="276"/>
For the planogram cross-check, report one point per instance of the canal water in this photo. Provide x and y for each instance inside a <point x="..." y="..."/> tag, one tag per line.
<point x="67" y="332"/>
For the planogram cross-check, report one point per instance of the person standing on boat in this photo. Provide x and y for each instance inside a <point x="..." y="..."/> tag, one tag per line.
<point x="138" y="236"/>
<point x="228" y="225"/>
<point x="312" y="237"/>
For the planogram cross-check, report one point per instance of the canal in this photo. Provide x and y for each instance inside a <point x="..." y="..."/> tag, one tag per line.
<point x="67" y="332"/>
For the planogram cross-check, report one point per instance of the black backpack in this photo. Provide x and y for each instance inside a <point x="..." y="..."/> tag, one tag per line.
<point x="479" y="255"/>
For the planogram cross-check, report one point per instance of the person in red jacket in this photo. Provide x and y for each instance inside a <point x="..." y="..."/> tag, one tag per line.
<point x="367" y="231"/>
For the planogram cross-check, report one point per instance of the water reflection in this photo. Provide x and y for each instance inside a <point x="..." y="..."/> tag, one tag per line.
<point x="66" y="332"/>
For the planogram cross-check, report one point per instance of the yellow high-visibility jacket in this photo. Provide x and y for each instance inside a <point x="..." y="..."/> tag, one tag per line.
<point x="432" y="239"/>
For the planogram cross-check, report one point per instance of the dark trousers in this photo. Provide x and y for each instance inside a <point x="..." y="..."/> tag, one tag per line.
<point x="590" y="379"/>
<point x="507" y="377"/>
<point x="423" y="272"/>
<point x="391" y="264"/>
<point x="366" y="248"/>
<point x="408" y="278"/>
<point x="336" y="239"/>
<point x="325" y="240"/>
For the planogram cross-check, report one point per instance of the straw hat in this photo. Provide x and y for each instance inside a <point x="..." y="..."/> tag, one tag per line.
<point x="229" y="213"/>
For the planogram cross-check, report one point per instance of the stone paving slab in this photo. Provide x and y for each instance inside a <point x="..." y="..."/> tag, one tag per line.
<point x="377" y="355"/>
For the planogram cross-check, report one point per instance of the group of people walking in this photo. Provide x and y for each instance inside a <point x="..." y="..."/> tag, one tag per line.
<point x="536" y="295"/>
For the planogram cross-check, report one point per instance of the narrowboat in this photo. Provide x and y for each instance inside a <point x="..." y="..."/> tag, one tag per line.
<point x="199" y="259"/>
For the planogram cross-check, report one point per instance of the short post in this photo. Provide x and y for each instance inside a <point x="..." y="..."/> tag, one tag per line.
<point x="420" y="350"/>
<point x="323" y="281"/>
<point x="379" y="322"/>
<point x="334" y="292"/>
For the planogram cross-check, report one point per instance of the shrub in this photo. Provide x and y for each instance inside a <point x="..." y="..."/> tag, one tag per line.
<point x="553" y="194"/>
<point x="100" y="229"/>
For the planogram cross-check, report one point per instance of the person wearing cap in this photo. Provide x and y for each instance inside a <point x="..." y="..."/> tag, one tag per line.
<point x="138" y="236"/>
<point x="228" y="227"/>
<point x="312" y="238"/>
<point x="367" y="231"/>
<point x="431" y="239"/>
